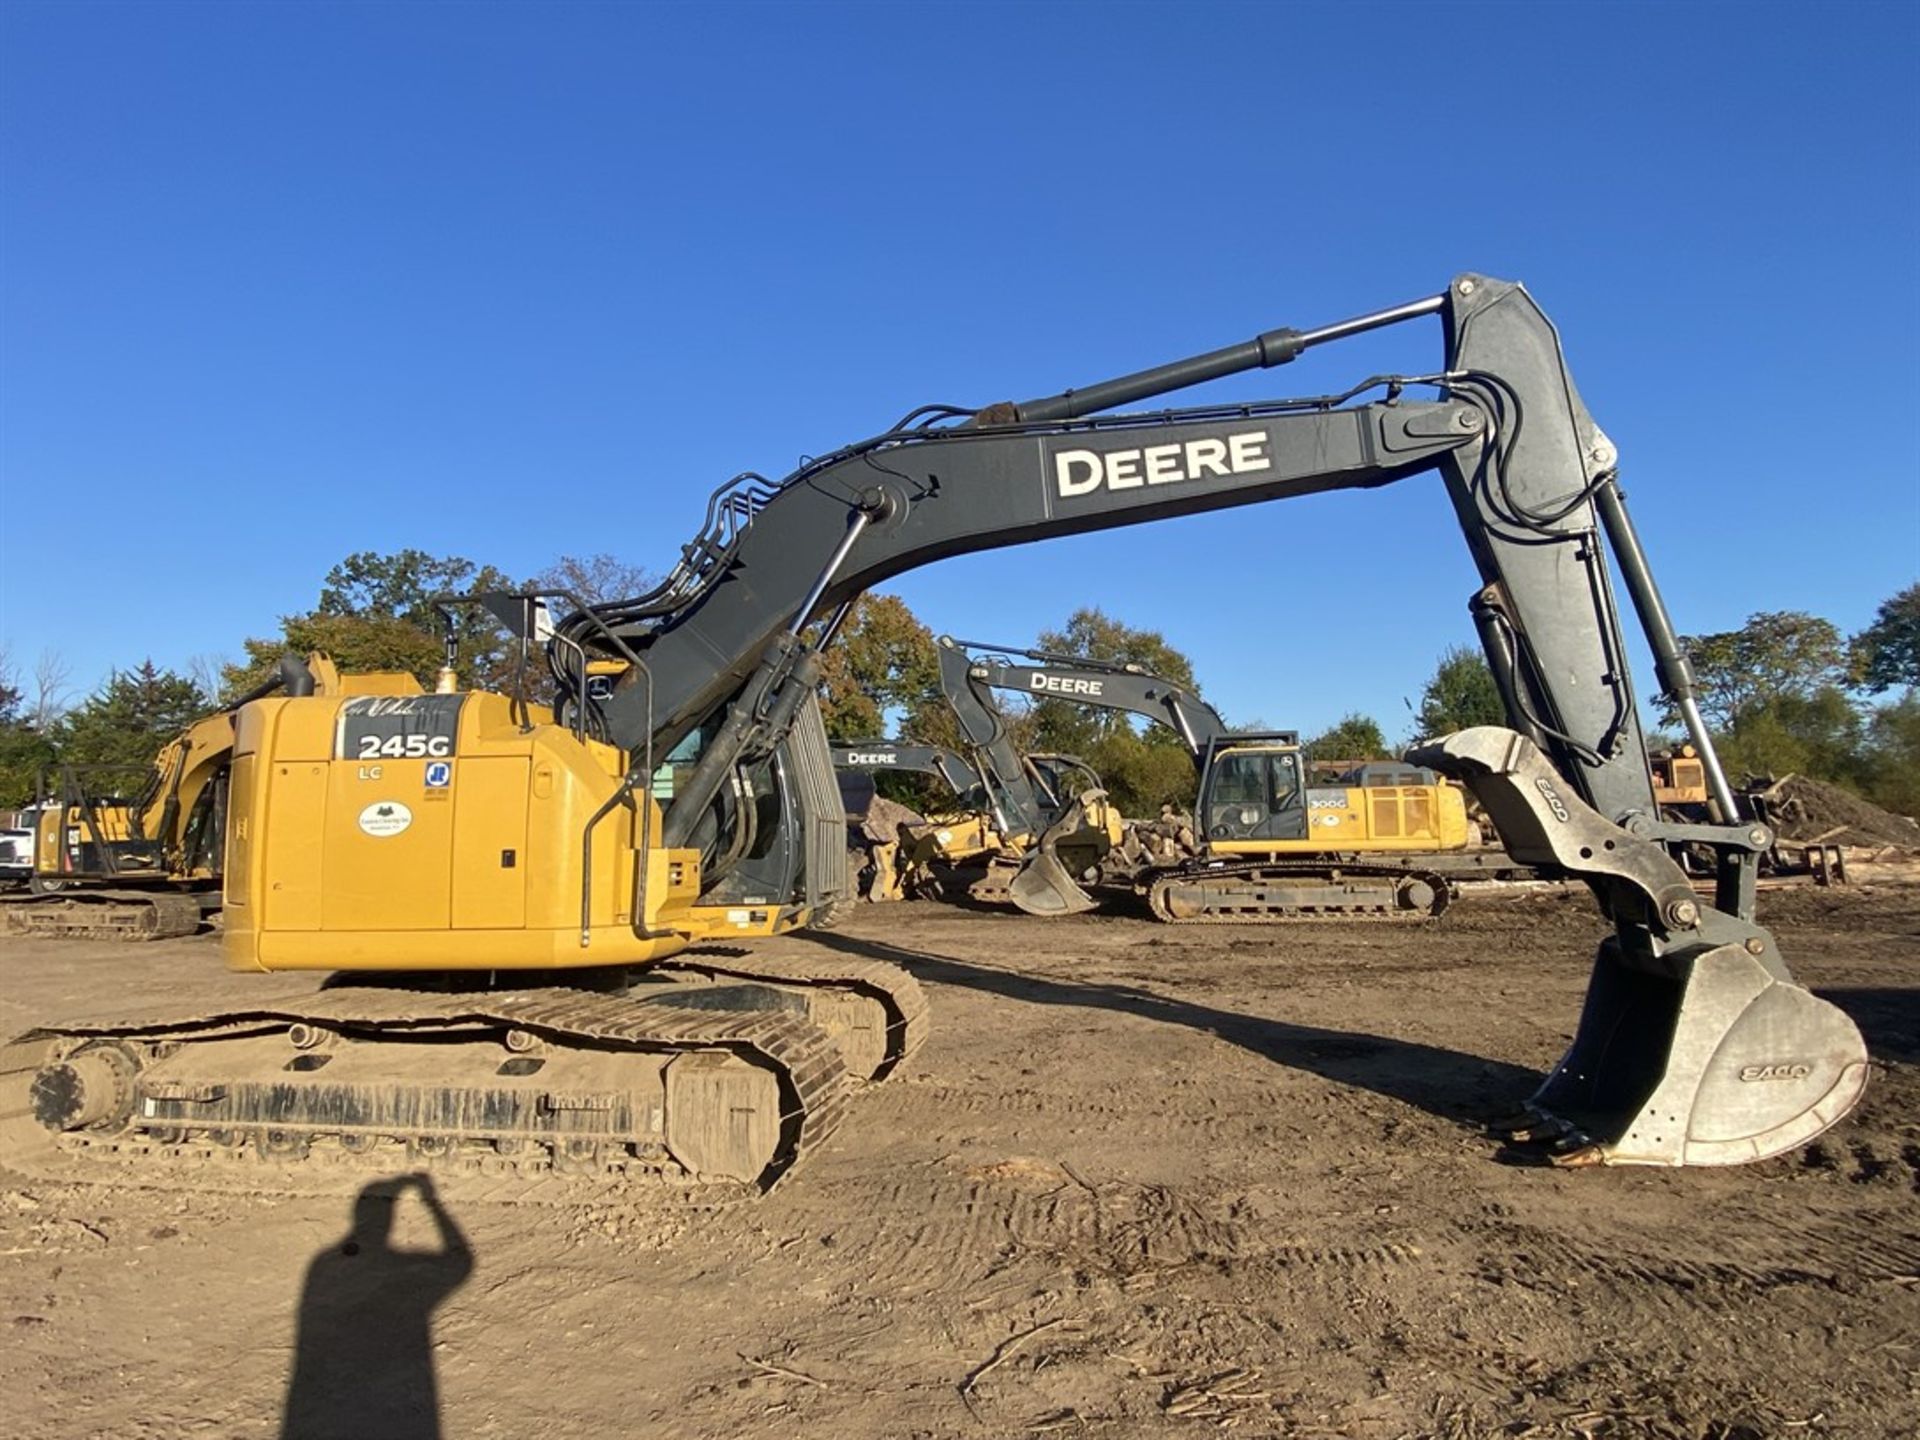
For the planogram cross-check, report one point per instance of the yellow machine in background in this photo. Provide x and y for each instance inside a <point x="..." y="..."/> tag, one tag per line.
<point x="1679" y="777"/>
<point x="1273" y="847"/>
<point x="148" y="865"/>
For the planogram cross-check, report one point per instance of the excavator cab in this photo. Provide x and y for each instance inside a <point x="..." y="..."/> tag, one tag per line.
<point x="1254" y="791"/>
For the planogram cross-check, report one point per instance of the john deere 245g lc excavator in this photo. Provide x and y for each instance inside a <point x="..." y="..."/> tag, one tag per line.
<point x="533" y="877"/>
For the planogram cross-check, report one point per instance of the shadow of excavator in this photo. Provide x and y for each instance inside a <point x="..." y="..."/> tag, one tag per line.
<point x="363" y="1359"/>
<point x="1442" y="1082"/>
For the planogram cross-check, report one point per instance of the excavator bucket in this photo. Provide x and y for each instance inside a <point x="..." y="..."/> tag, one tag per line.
<point x="1695" y="1045"/>
<point x="1044" y="887"/>
<point x="1076" y="842"/>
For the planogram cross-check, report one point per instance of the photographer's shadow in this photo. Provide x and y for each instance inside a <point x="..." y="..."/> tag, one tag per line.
<point x="363" y="1357"/>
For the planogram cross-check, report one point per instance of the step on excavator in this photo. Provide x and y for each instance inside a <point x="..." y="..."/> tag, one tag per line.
<point x="1269" y="846"/>
<point x="515" y="909"/>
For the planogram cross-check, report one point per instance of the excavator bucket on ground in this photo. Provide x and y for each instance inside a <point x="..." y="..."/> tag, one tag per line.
<point x="1695" y="1045"/>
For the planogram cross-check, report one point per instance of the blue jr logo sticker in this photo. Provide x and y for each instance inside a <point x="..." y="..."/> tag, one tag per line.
<point x="439" y="774"/>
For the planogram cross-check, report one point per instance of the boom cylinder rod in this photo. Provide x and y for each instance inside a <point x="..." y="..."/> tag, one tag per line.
<point x="857" y="521"/>
<point x="1275" y="347"/>
<point x="1670" y="663"/>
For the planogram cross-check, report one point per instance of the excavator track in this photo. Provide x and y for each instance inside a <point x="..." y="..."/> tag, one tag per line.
<point x="100" y="915"/>
<point x="875" y="1012"/>
<point x="712" y="1091"/>
<point x="1277" y="892"/>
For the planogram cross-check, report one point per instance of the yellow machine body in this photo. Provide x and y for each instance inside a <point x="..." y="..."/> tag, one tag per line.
<point x="60" y="832"/>
<point x="1360" y="819"/>
<point x="400" y="852"/>
<point x="1679" y="776"/>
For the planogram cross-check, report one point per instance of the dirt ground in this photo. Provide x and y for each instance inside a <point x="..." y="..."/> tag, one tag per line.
<point x="1142" y="1181"/>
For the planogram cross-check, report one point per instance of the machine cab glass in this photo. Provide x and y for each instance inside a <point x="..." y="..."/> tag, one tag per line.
<point x="1256" y="795"/>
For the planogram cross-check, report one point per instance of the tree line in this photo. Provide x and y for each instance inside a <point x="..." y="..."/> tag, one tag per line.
<point x="373" y="612"/>
<point x="1787" y="691"/>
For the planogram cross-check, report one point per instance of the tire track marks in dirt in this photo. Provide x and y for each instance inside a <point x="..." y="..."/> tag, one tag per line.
<point x="1795" y="1265"/>
<point x="964" y="1227"/>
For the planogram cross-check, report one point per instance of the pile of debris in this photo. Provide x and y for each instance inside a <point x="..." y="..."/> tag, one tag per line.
<point x="1805" y="811"/>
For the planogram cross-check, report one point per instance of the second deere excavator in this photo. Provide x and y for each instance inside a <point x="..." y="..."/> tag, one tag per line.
<point x="1050" y="812"/>
<point x="1269" y="845"/>
<point x="513" y="898"/>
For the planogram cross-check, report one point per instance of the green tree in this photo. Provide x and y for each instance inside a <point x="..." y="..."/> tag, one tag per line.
<point x="1356" y="737"/>
<point x="1886" y="654"/>
<point x="407" y="585"/>
<point x="377" y="612"/>
<point x="25" y="749"/>
<point x="1890" y="764"/>
<point x="596" y="579"/>
<point x="1776" y="653"/>
<point x="1092" y="634"/>
<point x="129" y="718"/>
<point x="1818" y="734"/>
<point x="1142" y="772"/>
<point x="882" y="665"/>
<point x="1143" y="765"/>
<point x="1459" y="695"/>
<point x="358" y="644"/>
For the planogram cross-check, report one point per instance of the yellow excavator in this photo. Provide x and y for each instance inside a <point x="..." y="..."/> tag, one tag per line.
<point x="513" y="894"/>
<point x="1267" y="844"/>
<point x="918" y="858"/>
<point x="148" y="865"/>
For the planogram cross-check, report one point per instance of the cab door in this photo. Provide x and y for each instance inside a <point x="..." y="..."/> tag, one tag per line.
<point x="1255" y="795"/>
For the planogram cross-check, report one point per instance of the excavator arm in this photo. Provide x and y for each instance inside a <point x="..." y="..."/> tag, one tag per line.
<point x="1692" y="1015"/>
<point x="935" y="760"/>
<point x="1086" y="682"/>
<point x="1020" y="804"/>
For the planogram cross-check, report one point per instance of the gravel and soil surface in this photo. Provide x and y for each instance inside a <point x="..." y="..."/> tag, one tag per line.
<point x="1142" y="1181"/>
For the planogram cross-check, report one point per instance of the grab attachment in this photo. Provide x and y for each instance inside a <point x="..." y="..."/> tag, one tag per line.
<point x="1695" y="1045"/>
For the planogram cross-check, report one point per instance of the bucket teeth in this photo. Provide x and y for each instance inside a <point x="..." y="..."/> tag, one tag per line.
<point x="1580" y="1156"/>
<point x="1532" y="1127"/>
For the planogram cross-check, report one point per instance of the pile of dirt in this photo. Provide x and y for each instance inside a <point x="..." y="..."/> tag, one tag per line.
<point x="1804" y="810"/>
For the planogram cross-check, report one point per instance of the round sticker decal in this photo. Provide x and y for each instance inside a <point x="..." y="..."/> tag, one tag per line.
<point x="385" y="817"/>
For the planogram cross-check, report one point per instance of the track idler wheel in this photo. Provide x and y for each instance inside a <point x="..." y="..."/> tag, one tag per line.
<point x="92" y="1089"/>
<point x="723" y="1115"/>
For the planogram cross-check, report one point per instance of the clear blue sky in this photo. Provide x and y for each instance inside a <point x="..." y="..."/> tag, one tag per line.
<point x="282" y="282"/>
